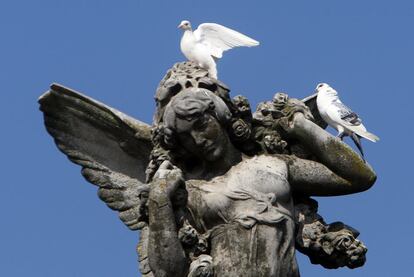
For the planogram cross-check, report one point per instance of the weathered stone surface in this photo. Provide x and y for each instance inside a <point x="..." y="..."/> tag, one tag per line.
<point x="215" y="189"/>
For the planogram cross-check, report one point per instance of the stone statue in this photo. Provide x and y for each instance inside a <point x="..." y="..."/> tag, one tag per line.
<point x="215" y="189"/>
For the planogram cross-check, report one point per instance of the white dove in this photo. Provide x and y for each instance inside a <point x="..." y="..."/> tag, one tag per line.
<point x="208" y="42"/>
<point x="340" y="117"/>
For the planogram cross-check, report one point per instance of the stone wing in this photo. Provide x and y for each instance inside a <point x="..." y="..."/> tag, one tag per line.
<point x="112" y="148"/>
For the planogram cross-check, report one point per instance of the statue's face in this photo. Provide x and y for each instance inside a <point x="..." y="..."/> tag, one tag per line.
<point x="204" y="137"/>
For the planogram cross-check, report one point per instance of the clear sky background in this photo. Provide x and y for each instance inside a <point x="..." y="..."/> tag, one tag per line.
<point x="52" y="222"/>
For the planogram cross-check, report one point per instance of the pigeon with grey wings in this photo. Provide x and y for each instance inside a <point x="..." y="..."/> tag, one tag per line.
<point x="208" y="42"/>
<point x="340" y="117"/>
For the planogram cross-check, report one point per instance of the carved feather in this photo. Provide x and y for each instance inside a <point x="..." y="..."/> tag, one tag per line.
<point x="112" y="148"/>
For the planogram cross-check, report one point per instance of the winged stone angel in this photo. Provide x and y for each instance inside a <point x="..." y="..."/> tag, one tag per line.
<point x="184" y="183"/>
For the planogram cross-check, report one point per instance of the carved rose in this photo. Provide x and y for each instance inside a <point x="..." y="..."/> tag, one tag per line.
<point x="347" y="250"/>
<point x="241" y="129"/>
<point x="339" y="241"/>
<point x="242" y="105"/>
<point x="202" y="267"/>
<point x="343" y="242"/>
<point x="274" y="144"/>
<point x="280" y="99"/>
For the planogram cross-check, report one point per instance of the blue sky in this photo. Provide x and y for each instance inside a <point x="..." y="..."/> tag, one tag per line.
<point x="53" y="224"/>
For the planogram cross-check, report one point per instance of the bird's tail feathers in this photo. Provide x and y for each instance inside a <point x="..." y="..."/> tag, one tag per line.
<point x="365" y="134"/>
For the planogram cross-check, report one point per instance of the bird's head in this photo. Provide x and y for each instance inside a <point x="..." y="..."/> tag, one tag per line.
<point x="185" y="25"/>
<point x="321" y="86"/>
<point x="326" y="89"/>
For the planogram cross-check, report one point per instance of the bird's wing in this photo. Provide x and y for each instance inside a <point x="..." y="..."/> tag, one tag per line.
<point x="347" y="116"/>
<point x="310" y="101"/>
<point x="112" y="148"/>
<point x="344" y="116"/>
<point x="218" y="38"/>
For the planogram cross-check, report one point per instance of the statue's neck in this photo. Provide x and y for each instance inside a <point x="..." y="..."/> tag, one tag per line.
<point x="219" y="167"/>
<point x="209" y="169"/>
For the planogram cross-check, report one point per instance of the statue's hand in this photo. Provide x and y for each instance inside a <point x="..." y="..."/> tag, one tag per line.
<point x="168" y="178"/>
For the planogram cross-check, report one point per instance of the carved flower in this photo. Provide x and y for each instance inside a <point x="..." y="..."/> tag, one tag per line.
<point x="333" y="241"/>
<point x="343" y="241"/>
<point x="241" y="130"/>
<point x="274" y="144"/>
<point x="242" y="105"/>
<point x="202" y="267"/>
<point x="343" y="245"/>
<point x="279" y="100"/>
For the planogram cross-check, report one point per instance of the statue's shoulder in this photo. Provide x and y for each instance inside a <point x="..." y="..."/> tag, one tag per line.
<point x="263" y="161"/>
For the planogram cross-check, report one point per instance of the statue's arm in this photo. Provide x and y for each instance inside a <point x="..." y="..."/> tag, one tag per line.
<point x="165" y="252"/>
<point x="340" y="170"/>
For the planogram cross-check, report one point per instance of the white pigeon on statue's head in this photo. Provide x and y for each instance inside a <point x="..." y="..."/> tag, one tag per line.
<point x="340" y="117"/>
<point x="208" y="42"/>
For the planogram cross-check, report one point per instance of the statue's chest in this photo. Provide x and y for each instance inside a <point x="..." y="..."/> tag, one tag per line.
<point x="262" y="174"/>
<point x="250" y="189"/>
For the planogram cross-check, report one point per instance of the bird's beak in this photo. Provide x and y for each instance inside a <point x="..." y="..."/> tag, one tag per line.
<point x="179" y="26"/>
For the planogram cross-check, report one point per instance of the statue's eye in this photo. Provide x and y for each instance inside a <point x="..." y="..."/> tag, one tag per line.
<point x="201" y="124"/>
